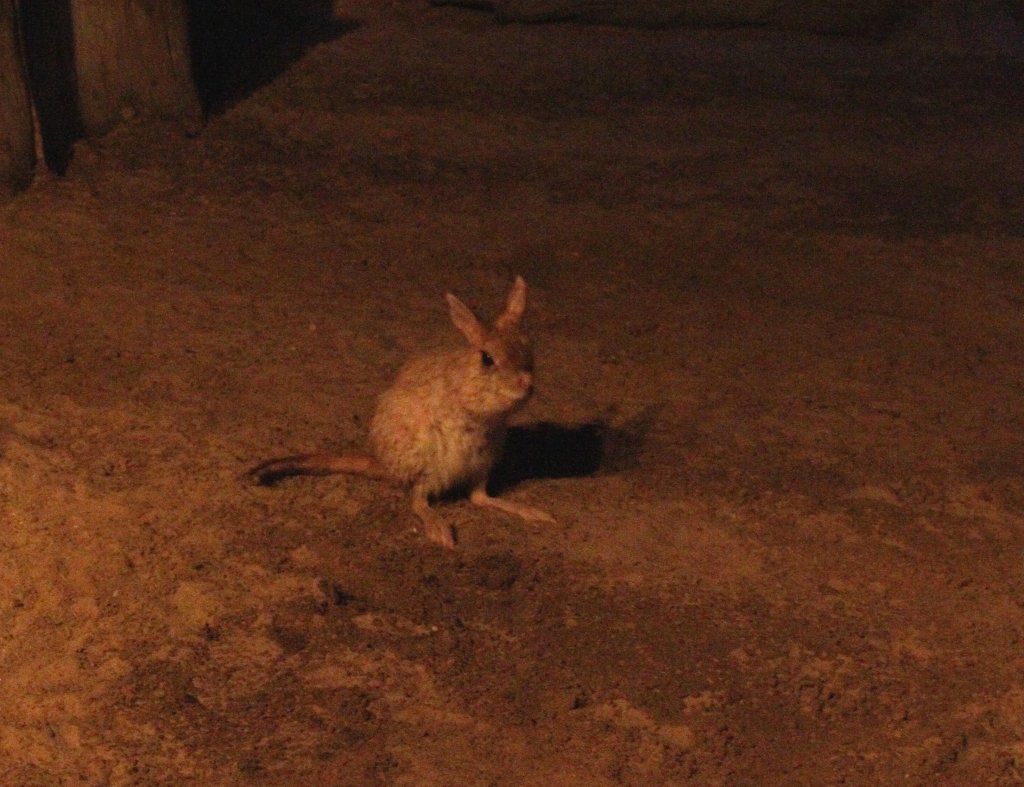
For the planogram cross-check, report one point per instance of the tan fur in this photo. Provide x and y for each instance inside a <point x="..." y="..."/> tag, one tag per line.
<point x="441" y="425"/>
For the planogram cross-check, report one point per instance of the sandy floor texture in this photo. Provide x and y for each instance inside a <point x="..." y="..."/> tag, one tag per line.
<point x="776" y="292"/>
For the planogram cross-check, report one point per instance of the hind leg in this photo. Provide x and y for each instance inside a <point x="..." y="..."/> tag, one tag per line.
<point x="480" y="497"/>
<point x="434" y="527"/>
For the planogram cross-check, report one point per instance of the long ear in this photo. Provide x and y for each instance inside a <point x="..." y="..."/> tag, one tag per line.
<point x="466" y="321"/>
<point x="514" y="308"/>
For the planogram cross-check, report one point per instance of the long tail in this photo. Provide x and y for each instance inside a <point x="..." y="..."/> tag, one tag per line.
<point x="357" y="462"/>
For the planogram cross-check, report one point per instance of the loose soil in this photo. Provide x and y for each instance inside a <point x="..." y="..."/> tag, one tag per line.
<point x="776" y="292"/>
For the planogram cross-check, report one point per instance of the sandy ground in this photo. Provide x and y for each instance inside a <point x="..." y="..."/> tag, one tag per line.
<point x="776" y="292"/>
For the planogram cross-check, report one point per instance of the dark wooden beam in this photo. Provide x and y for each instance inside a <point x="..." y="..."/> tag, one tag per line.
<point x="17" y="147"/>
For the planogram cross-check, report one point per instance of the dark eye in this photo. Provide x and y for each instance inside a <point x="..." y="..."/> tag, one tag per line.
<point x="486" y="359"/>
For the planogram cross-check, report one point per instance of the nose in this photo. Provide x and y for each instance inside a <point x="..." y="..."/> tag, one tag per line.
<point x="526" y="383"/>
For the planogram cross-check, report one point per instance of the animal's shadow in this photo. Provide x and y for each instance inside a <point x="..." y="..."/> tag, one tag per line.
<point x="550" y="450"/>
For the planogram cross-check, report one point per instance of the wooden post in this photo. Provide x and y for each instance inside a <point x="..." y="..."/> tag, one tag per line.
<point x="17" y="147"/>
<point x="132" y="58"/>
<point x="48" y="50"/>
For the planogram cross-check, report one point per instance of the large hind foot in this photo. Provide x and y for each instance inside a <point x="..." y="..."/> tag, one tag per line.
<point x="480" y="497"/>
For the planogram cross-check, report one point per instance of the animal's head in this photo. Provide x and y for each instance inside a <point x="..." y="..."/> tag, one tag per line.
<point x="497" y="376"/>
